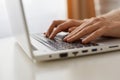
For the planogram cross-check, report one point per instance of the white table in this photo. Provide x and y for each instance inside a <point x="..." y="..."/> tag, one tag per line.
<point x="15" y="65"/>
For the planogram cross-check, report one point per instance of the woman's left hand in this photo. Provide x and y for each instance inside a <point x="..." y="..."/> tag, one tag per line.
<point x="94" y="28"/>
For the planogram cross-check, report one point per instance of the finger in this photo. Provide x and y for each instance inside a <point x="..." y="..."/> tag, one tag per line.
<point x="82" y="26"/>
<point x="53" y="25"/>
<point x="71" y="29"/>
<point x="75" y="31"/>
<point x="83" y="32"/>
<point x="94" y="35"/>
<point x="64" y="26"/>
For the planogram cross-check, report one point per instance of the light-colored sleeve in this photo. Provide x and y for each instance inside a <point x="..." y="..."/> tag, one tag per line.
<point x="113" y="15"/>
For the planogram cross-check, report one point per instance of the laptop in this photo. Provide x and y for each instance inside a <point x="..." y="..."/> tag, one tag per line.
<point x="38" y="47"/>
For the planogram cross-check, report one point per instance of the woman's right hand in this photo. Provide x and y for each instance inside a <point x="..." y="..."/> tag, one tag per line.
<point x="62" y="25"/>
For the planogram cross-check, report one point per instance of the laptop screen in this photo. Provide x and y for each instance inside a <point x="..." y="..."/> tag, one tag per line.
<point x="18" y="24"/>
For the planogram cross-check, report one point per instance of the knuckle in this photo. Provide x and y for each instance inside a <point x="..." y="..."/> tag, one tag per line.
<point x="85" y="30"/>
<point x="97" y="19"/>
<point x="102" y="18"/>
<point x="75" y="22"/>
<point x="106" y="28"/>
<point x="60" y="27"/>
<point x="85" y="20"/>
<point x="71" y="20"/>
<point x="55" y="21"/>
<point x="96" y="33"/>
<point x="93" y="17"/>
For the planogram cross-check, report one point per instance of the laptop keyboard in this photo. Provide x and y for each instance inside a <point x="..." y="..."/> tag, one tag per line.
<point x="59" y="44"/>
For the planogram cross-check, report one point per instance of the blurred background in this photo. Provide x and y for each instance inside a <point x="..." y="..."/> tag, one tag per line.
<point x="41" y="13"/>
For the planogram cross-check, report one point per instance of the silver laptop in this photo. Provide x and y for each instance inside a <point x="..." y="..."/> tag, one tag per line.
<point x="40" y="48"/>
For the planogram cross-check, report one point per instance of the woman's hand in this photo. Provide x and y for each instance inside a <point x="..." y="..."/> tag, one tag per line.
<point x="94" y="28"/>
<point x="62" y="25"/>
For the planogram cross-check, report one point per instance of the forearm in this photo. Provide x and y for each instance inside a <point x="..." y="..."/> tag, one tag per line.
<point x="112" y="15"/>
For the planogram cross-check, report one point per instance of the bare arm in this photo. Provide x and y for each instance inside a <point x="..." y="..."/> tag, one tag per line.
<point x="112" y="15"/>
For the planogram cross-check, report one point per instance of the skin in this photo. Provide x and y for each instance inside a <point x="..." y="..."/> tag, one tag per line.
<point x="62" y="25"/>
<point x="91" y="29"/>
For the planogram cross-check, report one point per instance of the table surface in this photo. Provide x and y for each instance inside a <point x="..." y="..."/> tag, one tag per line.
<point x="15" y="65"/>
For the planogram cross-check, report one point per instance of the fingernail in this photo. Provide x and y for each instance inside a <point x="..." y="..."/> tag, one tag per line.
<point x="68" y="40"/>
<point x="65" y="39"/>
<point x="50" y="36"/>
<point x="84" y="41"/>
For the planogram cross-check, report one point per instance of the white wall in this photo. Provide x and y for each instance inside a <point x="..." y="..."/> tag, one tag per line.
<point x="4" y="23"/>
<point x="108" y="5"/>
<point x="104" y="6"/>
<point x="40" y="14"/>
